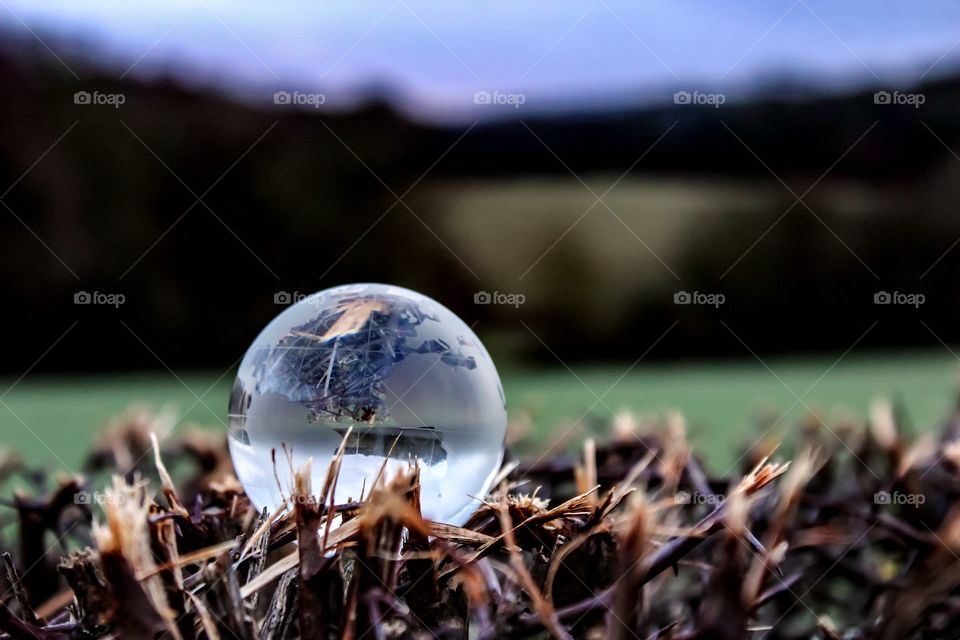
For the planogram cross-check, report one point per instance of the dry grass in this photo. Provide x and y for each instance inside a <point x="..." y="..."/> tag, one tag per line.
<point x="629" y="540"/>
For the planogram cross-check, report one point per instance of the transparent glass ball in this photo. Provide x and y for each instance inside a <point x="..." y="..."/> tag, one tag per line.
<point x="406" y="376"/>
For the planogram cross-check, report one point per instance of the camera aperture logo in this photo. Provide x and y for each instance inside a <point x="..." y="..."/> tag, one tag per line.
<point x="498" y="98"/>
<point x="98" y="98"/>
<point x="299" y="99"/>
<point x="699" y="98"/>
<point x="915" y="100"/>
<point x="899" y="298"/>
<point x="499" y="297"/>
<point x="99" y="298"/>
<point x="697" y="297"/>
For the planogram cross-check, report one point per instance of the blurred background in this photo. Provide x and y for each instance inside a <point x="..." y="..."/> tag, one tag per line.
<point x="744" y="211"/>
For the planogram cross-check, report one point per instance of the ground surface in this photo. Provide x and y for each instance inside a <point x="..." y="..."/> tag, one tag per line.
<point x="50" y="420"/>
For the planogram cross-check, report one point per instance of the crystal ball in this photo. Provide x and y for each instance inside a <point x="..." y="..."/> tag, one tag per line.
<point x="396" y="377"/>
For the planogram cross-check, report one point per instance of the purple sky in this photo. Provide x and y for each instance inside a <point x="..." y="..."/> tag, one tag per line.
<point x="433" y="56"/>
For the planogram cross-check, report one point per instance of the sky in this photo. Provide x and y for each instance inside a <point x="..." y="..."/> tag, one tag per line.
<point x="432" y="58"/>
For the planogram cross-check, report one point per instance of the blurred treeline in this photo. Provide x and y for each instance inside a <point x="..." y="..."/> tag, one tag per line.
<point x="304" y="209"/>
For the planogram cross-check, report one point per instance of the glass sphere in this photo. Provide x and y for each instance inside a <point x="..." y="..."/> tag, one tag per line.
<point x="406" y="376"/>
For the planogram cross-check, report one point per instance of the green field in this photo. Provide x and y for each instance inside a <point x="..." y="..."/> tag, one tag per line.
<point x="51" y="420"/>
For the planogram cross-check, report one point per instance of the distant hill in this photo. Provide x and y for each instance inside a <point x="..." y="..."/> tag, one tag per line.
<point x="112" y="207"/>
